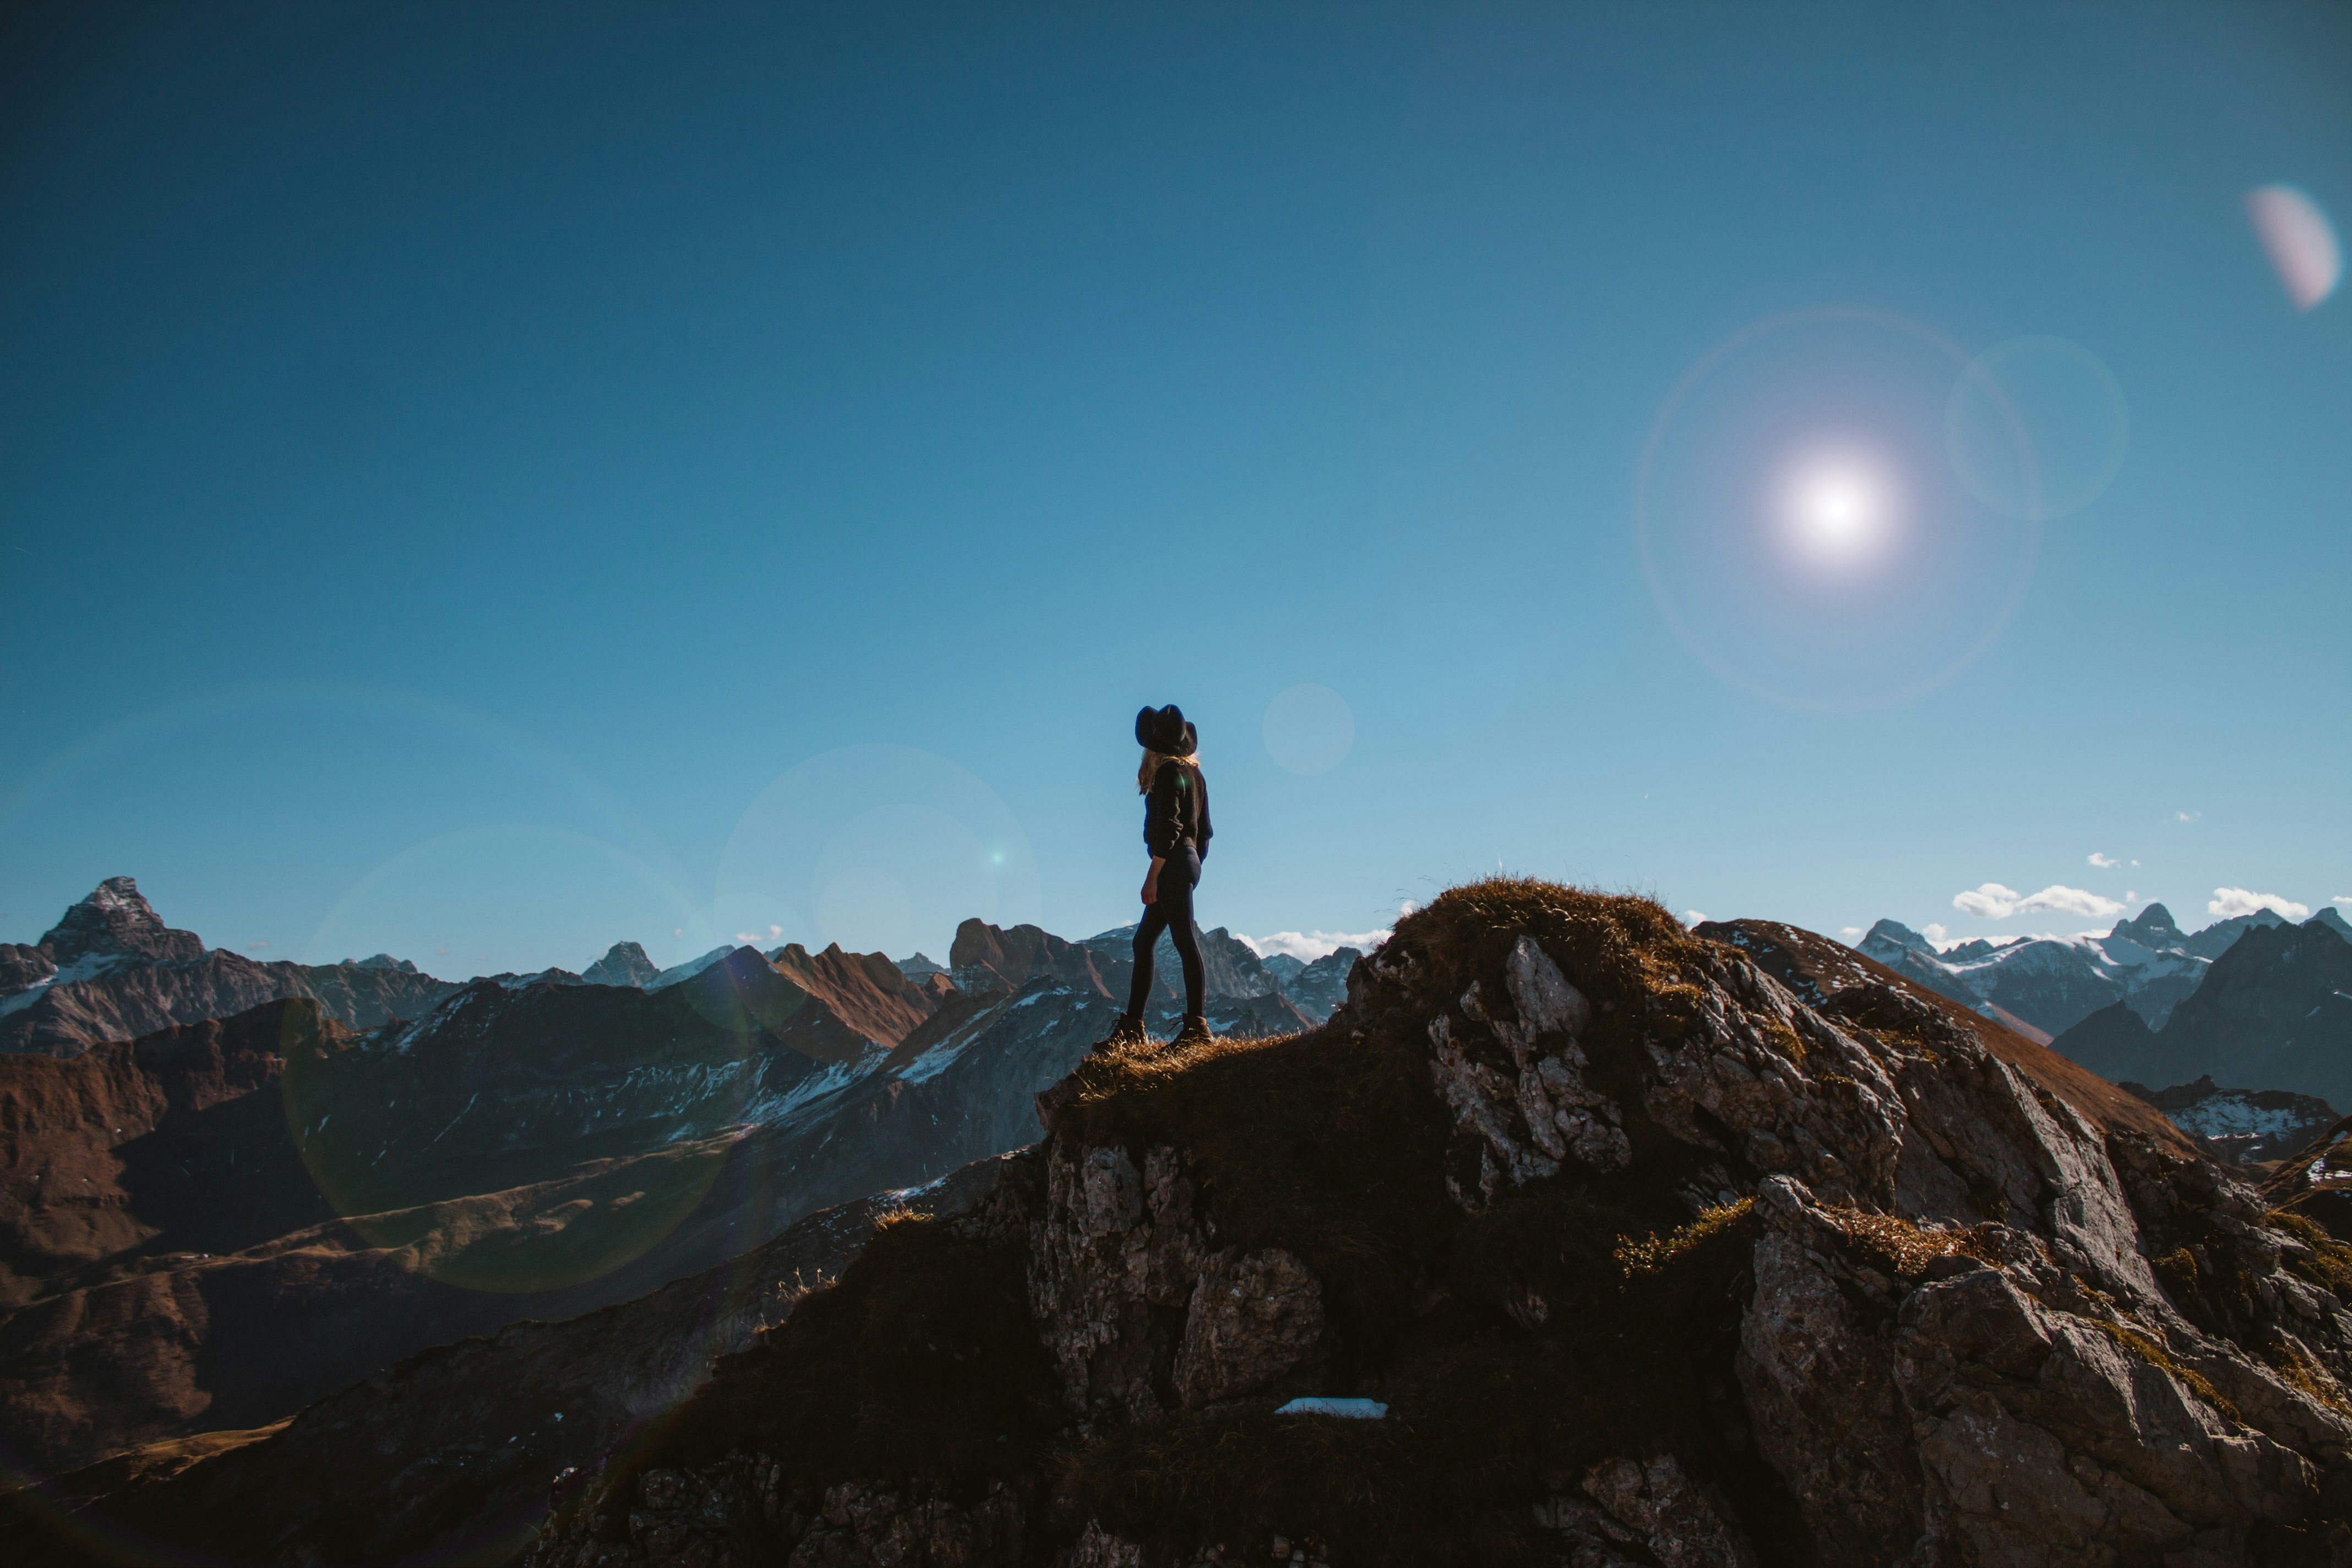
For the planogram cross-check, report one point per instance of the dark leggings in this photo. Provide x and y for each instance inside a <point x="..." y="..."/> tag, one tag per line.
<point x="1170" y="912"/>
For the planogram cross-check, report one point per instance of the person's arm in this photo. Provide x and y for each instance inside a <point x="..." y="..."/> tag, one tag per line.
<point x="1161" y="826"/>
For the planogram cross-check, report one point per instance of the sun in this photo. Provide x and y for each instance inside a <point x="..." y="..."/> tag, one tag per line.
<point x="1839" y="510"/>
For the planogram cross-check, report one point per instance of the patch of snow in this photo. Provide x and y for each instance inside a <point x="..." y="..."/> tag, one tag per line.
<point x="1347" y="1409"/>
<point x="688" y="970"/>
<point x="89" y="967"/>
<point x="2229" y="1116"/>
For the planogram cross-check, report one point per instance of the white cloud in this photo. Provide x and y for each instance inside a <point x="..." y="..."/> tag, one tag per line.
<point x="256" y="944"/>
<point x="2187" y="816"/>
<point x="1406" y="907"/>
<point x="1849" y="932"/>
<point x="1990" y="902"/>
<point x="2134" y="862"/>
<point x="674" y="931"/>
<point x="1936" y="933"/>
<point x="2343" y="899"/>
<point x="2105" y="862"/>
<point x="1994" y="902"/>
<point x="1309" y="945"/>
<point x="2229" y="903"/>
<point x="441" y="952"/>
<point x="1694" y="917"/>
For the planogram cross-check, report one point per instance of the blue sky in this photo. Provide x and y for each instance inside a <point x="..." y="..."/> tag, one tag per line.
<point x="486" y="483"/>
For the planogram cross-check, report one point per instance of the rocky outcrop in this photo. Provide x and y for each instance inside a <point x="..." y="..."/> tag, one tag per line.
<point x="1141" y="1312"/>
<point x="1650" y="1255"/>
<point x="624" y="963"/>
<point x="111" y="970"/>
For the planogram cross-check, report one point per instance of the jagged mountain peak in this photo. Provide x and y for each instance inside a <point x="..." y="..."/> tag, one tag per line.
<point x="2152" y="927"/>
<point x="115" y="919"/>
<point x="385" y="961"/>
<point x="1895" y="933"/>
<point x="624" y="963"/>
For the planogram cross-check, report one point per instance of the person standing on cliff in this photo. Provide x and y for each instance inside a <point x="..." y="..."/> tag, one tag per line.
<point x="1176" y="830"/>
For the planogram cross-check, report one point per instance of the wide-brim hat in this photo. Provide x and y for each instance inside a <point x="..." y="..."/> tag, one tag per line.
<point x="1165" y="730"/>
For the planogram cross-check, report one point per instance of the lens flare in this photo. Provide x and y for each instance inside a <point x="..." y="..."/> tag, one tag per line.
<point x="1840" y="511"/>
<point x="1800" y="527"/>
<point x="2037" y="427"/>
<point x="889" y="847"/>
<point x="1308" y="729"/>
<point x="2299" y="240"/>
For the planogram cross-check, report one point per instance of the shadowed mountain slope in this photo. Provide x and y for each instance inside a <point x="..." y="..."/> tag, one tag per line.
<point x="1649" y="1258"/>
<point x="2275" y="1010"/>
<point x="228" y="1220"/>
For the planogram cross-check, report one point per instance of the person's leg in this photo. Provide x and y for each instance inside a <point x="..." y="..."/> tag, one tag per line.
<point x="1176" y="905"/>
<point x="1146" y="937"/>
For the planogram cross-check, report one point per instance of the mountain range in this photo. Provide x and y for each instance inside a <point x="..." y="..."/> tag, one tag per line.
<point x="2273" y="1012"/>
<point x="1570" y="1236"/>
<point x="2051" y="984"/>
<point x="213" y="1223"/>
<point x="111" y="970"/>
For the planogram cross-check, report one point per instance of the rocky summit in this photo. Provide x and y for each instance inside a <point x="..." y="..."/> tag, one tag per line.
<point x="1589" y="1240"/>
<point x="111" y="970"/>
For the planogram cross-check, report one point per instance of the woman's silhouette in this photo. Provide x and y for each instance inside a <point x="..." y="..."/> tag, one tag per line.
<point x="1176" y="830"/>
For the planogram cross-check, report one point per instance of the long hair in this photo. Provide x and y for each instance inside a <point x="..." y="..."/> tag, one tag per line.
<point x="1151" y="768"/>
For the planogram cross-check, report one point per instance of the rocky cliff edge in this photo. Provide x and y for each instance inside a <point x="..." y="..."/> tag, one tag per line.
<point x="1648" y="1260"/>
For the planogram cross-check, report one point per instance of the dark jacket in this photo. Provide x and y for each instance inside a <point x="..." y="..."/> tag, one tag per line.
<point x="1176" y="809"/>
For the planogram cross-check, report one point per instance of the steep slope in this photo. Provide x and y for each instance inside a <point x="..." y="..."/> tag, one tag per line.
<point x="479" y="1425"/>
<point x="223" y="1221"/>
<point x="2275" y="1009"/>
<point x="111" y="970"/>
<point x="624" y="963"/>
<point x="1820" y="971"/>
<point x="532" y="1146"/>
<point x="1648" y="1260"/>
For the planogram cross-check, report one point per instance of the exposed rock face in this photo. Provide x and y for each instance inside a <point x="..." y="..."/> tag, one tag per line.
<point x="116" y="921"/>
<point x="1967" y="1305"/>
<point x="111" y="970"/>
<point x="624" y="963"/>
<point x="2275" y="1009"/>
<point x="1137" y="1311"/>
<point x="1652" y="1504"/>
<point x="985" y="958"/>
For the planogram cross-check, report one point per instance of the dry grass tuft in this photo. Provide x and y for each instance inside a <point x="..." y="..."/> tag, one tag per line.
<point x="2328" y="1265"/>
<point x="1649" y="1257"/>
<point x="1903" y="1247"/>
<point x="2133" y="1343"/>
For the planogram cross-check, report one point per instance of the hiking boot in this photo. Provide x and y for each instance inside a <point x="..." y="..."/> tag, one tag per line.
<point x="1195" y="1031"/>
<point x="1128" y="1031"/>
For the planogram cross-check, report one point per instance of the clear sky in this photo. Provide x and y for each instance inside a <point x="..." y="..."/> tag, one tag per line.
<point x="486" y="481"/>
